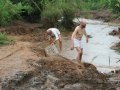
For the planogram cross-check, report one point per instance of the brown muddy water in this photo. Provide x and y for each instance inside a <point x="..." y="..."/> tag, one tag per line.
<point x="97" y="51"/>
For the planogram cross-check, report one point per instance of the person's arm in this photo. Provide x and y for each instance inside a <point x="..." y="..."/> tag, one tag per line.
<point x="49" y="39"/>
<point x="53" y="41"/>
<point x="72" y="38"/>
<point x="86" y="36"/>
<point x="49" y="36"/>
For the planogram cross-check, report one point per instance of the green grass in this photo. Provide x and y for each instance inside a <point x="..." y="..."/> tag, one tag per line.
<point x="5" y="40"/>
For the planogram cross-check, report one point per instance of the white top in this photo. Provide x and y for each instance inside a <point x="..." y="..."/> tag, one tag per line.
<point x="56" y="32"/>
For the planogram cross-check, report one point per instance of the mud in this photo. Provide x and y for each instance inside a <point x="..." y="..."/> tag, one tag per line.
<point x="117" y="45"/>
<point x="58" y="73"/>
<point x="115" y="32"/>
<point x="25" y="31"/>
<point x="24" y="65"/>
<point x="15" y="58"/>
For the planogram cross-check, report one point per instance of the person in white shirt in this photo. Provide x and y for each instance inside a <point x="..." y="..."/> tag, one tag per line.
<point x="54" y="35"/>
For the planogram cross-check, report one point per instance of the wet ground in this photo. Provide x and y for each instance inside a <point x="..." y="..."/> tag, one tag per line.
<point x="24" y="65"/>
<point x="97" y="51"/>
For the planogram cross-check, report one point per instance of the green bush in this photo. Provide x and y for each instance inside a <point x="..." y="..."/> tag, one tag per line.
<point x="88" y="5"/>
<point x="33" y="13"/>
<point x="5" y="40"/>
<point x="68" y="13"/>
<point x="50" y="15"/>
<point x="115" y="5"/>
<point x="9" y="11"/>
<point x="53" y="11"/>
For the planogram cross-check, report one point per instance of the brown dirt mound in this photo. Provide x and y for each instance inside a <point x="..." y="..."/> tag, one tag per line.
<point x="69" y="71"/>
<point x="115" y="32"/>
<point x="25" y="31"/>
<point x="38" y="50"/>
<point x="20" y="28"/>
<point x="116" y="46"/>
<point x="61" y="66"/>
<point x="57" y="73"/>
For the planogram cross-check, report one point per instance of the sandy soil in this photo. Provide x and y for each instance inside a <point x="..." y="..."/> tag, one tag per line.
<point x="14" y="58"/>
<point x="28" y="47"/>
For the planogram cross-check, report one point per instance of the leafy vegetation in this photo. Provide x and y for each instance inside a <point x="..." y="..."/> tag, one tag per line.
<point x="62" y="10"/>
<point x="110" y="5"/>
<point x="88" y="5"/>
<point x="9" y="11"/>
<point x="115" y="6"/>
<point x="5" y="40"/>
<point x="50" y="11"/>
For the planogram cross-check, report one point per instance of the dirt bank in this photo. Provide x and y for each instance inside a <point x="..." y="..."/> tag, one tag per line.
<point x="28" y="47"/>
<point x="58" y="73"/>
<point x="116" y="33"/>
<point x="104" y="15"/>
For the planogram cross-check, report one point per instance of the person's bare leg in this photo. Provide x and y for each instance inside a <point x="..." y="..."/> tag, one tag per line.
<point x="79" y="50"/>
<point x="81" y="53"/>
<point x="60" y="42"/>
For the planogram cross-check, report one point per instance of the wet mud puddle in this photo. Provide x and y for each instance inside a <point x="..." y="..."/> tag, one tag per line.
<point x="97" y="51"/>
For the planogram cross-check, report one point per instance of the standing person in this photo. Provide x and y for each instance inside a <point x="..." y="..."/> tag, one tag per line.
<point x="54" y="35"/>
<point x="76" y="39"/>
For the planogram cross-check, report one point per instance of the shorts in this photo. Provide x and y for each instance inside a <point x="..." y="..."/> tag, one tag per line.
<point x="77" y="43"/>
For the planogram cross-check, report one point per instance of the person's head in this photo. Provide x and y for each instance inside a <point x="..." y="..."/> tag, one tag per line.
<point x="82" y="25"/>
<point x="49" y="32"/>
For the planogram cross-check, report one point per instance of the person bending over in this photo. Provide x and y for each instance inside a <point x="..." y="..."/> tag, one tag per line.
<point x="54" y="35"/>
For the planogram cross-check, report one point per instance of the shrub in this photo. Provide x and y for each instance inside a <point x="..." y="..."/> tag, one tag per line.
<point x="54" y="10"/>
<point x="50" y="14"/>
<point x="68" y="15"/>
<point x="88" y="5"/>
<point x="115" y="5"/>
<point x="5" y="40"/>
<point x="9" y="11"/>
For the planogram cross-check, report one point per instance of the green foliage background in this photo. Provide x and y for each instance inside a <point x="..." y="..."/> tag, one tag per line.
<point x="49" y="12"/>
<point x="9" y="11"/>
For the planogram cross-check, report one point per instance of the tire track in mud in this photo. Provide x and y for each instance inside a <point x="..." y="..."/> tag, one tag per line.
<point x="11" y="53"/>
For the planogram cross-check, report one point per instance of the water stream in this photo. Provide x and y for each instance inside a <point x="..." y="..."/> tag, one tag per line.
<point x="97" y="51"/>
